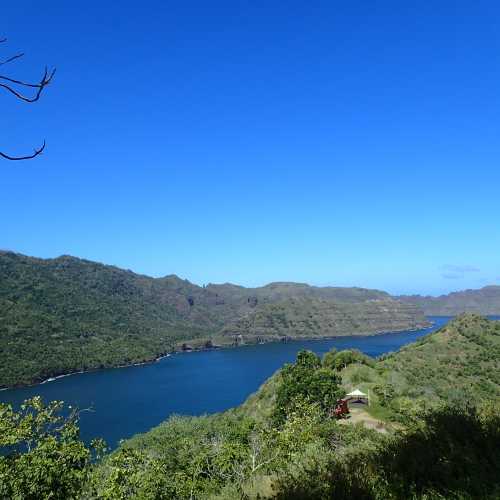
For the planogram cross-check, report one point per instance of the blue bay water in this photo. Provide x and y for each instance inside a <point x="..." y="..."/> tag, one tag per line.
<point x="126" y="401"/>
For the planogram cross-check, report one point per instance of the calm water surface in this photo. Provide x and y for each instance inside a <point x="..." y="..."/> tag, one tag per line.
<point x="126" y="401"/>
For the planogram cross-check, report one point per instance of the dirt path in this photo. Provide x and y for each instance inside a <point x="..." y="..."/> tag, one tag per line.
<point x="360" y="415"/>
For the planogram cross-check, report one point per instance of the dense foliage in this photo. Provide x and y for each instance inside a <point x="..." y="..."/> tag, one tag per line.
<point x="339" y="360"/>
<point x="43" y="456"/>
<point x="182" y="458"/>
<point x="65" y="315"/>
<point x="309" y="381"/>
<point x="449" y="452"/>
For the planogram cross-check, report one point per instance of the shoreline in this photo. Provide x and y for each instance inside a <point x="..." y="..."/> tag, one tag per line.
<point x="215" y="348"/>
<point x="90" y="370"/>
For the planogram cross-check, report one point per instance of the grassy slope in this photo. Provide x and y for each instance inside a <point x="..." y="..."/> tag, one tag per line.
<point x="458" y="363"/>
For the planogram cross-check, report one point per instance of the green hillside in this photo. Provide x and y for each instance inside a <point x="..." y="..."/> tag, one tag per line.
<point x="459" y="364"/>
<point x="67" y="314"/>
<point x="461" y="361"/>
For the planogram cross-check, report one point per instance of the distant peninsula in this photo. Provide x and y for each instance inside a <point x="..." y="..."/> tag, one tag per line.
<point x="485" y="301"/>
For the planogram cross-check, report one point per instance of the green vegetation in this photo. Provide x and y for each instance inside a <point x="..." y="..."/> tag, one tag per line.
<point x="485" y="301"/>
<point x="448" y="453"/>
<point x="43" y="455"/>
<point x="339" y="360"/>
<point x="306" y="380"/>
<point x="65" y="315"/>
<point x="282" y="443"/>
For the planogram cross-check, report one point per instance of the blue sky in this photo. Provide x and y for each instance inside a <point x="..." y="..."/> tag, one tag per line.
<point x="339" y="143"/>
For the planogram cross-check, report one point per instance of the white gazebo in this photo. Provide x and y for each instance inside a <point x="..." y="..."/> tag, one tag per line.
<point x="358" y="396"/>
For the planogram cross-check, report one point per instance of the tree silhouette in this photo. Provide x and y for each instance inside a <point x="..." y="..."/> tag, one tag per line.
<point x="26" y="92"/>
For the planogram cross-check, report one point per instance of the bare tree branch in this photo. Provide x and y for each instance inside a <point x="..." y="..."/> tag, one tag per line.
<point x="43" y="83"/>
<point x="12" y="58"/>
<point x="9" y="84"/>
<point x="39" y="86"/>
<point x="36" y="152"/>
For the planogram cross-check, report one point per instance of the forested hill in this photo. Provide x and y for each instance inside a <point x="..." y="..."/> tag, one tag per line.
<point x="67" y="314"/>
<point x="485" y="301"/>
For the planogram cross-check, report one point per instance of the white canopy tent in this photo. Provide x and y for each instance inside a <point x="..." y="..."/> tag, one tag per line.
<point x="357" y="394"/>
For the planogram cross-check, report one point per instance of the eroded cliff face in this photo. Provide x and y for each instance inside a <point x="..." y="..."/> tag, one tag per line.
<point x="316" y="318"/>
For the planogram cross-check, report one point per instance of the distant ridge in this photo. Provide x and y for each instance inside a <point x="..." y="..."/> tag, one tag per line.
<point x="485" y="301"/>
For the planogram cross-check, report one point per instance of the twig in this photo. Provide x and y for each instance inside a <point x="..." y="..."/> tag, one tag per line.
<point x="40" y="86"/>
<point x="28" y="157"/>
<point x="12" y="58"/>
